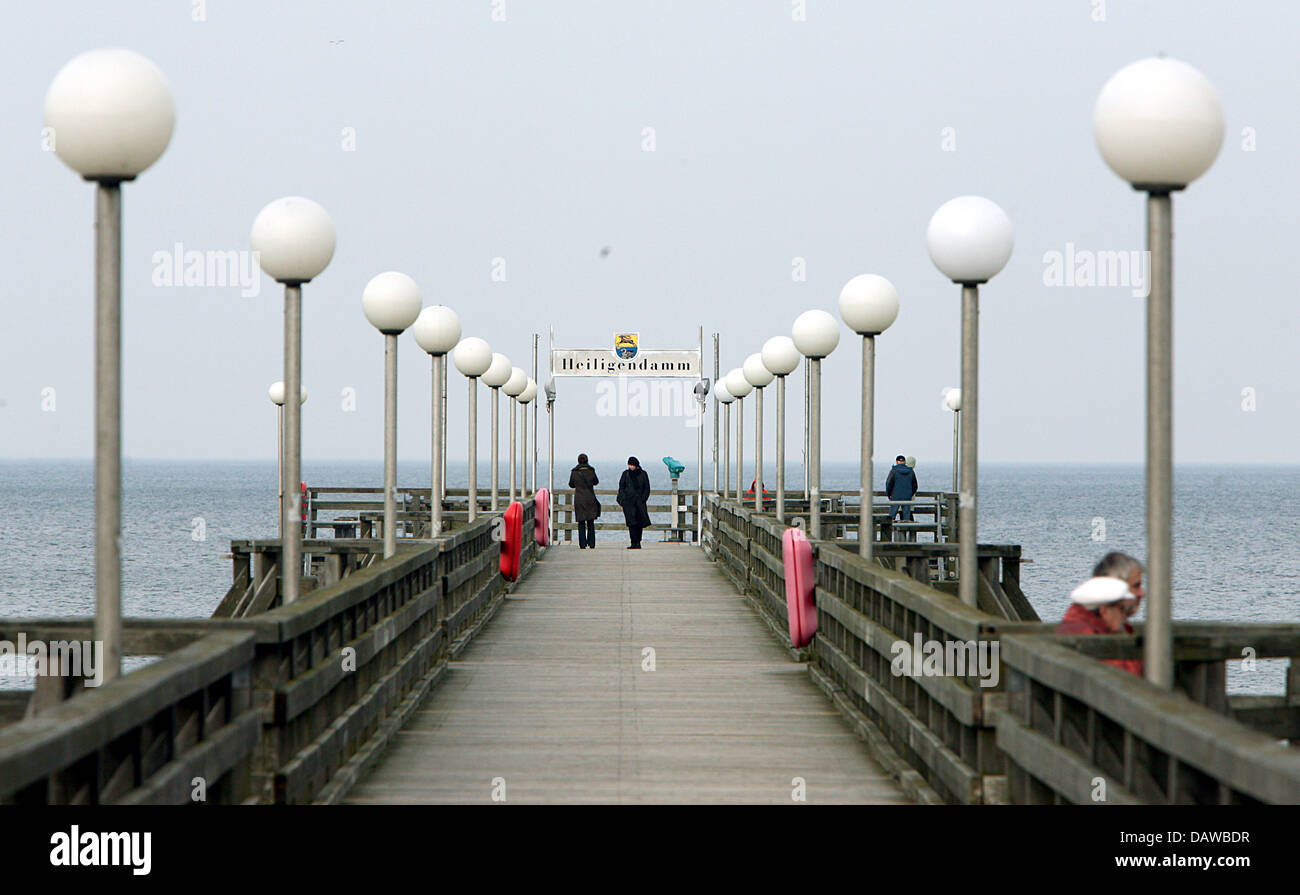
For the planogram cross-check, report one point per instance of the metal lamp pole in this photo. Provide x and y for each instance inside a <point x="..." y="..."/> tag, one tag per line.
<point x="869" y="305"/>
<point x="112" y="113"/>
<point x="815" y="334"/>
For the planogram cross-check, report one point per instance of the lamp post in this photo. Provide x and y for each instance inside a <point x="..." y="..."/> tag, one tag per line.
<point x="952" y="401"/>
<point x="1159" y="125"/>
<point x="970" y="241"/>
<point x="869" y="305"/>
<point x="758" y="376"/>
<point x="721" y="394"/>
<point x="437" y="331"/>
<point x="391" y="302"/>
<point x="815" y="334"/>
<point x="701" y="392"/>
<point x="276" y="394"/>
<point x="473" y="357"/>
<point x="550" y="455"/>
<point x="716" y="377"/>
<point x="111" y="113"/>
<point x="497" y="375"/>
<point x="738" y="387"/>
<point x="526" y="397"/>
<point x="781" y="358"/>
<point x="513" y="388"/>
<point x="294" y="240"/>
<point x="536" y="338"/>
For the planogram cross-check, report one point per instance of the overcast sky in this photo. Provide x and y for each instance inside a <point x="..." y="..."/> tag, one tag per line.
<point x="441" y="139"/>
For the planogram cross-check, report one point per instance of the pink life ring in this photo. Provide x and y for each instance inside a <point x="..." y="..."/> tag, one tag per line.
<point x="800" y="586"/>
<point x="542" y="516"/>
<point x="512" y="541"/>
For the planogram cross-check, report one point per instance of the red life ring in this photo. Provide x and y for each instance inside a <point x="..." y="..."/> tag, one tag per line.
<point x="512" y="541"/>
<point x="800" y="586"/>
<point x="542" y="516"/>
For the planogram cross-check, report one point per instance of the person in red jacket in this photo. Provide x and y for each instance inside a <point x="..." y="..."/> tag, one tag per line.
<point x="1099" y="607"/>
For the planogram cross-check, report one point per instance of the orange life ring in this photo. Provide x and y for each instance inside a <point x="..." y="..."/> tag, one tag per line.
<point x="512" y="540"/>
<point x="800" y="586"/>
<point x="542" y="516"/>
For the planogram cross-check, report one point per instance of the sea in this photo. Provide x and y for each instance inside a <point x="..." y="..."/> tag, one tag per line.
<point x="1236" y="531"/>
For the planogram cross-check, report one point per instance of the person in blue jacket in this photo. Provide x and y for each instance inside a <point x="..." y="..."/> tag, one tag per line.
<point x="901" y="485"/>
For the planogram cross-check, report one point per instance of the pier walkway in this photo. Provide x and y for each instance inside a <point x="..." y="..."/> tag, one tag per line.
<point x="555" y="698"/>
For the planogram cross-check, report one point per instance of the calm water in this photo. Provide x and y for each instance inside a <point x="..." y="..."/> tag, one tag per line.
<point x="1237" y="530"/>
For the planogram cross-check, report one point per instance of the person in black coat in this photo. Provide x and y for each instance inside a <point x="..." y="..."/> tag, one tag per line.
<point x="633" y="492"/>
<point x="901" y="484"/>
<point x="586" y="508"/>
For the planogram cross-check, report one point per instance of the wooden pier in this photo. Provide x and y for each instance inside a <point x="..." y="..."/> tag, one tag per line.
<point x="626" y="676"/>
<point x="427" y="677"/>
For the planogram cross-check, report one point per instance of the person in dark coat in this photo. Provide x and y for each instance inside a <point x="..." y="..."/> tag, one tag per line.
<point x="633" y="492"/>
<point x="586" y="508"/>
<point x="901" y="485"/>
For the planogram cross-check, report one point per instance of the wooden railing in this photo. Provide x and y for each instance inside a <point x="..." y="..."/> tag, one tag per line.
<point x="1080" y="731"/>
<point x="181" y="729"/>
<point x="286" y="704"/>
<point x="660" y="508"/>
<point x="1042" y="720"/>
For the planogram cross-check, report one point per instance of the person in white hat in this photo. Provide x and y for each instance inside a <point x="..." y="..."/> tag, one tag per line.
<point x="1099" y="607"/>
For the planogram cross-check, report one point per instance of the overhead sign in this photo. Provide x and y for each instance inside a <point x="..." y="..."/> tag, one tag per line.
<point x="625" y="360"/>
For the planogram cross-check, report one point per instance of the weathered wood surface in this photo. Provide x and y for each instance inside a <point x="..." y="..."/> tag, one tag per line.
<point x="552" y="697"/>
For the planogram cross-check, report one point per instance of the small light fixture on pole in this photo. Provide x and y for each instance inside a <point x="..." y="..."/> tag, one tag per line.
<point x="526" y="397"/>
<point x="391" y="302"/>
<point x="758" y="376"/>
<point x="111" y="114"/>
<point x="952" y="401"/>
<point x="437" y="332"/>
<point x="869" y="305"/>
<point x="513" y="388"/>
<point x="1159" y="125"/>
<point x="294" y="241"/>
<point x="815" y="334"/>
<point x="497" y="375"/>
<point x="276" y="394"/>
<point x="970" y="241"/>
<point x="781" y="358"/>
<point x="721" y="394"/>
<point x="738" y="387"/>
<point x="473" y="357"/>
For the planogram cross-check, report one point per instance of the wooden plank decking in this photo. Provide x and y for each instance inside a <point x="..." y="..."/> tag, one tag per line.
<point x="552" y="697"/>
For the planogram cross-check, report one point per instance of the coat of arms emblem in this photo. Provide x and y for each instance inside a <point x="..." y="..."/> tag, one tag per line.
<point x="625" y="345"/>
